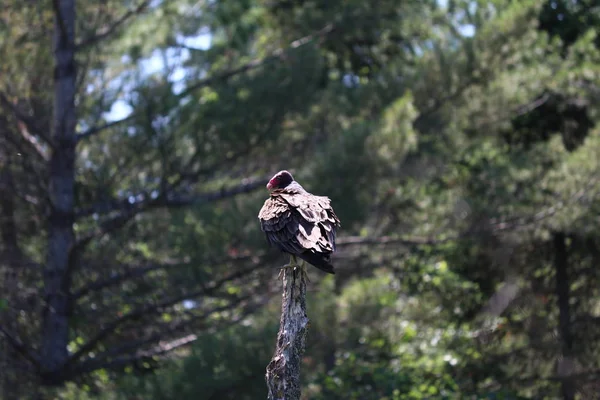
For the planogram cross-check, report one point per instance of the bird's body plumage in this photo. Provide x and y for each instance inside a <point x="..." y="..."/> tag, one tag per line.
<point x="300" y="223"/>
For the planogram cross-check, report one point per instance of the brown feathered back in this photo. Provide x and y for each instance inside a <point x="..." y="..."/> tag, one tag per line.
<point x="301" y="224"/>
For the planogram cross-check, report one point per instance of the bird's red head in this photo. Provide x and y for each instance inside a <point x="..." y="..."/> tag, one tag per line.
<point x="280" y="180"/>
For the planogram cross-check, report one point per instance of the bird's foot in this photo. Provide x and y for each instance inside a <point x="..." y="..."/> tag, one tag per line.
<point x="302" y="268"/>
<point x="294" y="267"/>
<point x="283" y="267"/>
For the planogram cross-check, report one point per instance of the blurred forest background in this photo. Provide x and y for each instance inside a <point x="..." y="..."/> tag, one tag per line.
<point x="458" y="140"/>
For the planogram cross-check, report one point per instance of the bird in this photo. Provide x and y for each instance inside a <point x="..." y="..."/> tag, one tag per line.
<point x="299" y="223"/>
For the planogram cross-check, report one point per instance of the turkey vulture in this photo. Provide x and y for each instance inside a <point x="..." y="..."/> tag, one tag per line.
<point x="299" y="223"/>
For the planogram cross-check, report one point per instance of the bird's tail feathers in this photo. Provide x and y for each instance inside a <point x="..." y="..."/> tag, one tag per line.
<point x="321" y="261"/>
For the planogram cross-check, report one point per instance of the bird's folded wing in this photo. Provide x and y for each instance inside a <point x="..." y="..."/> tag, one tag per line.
<point x="281" y="228"/>
<point x="312" y="208"/>
<point x="297" y="223"/>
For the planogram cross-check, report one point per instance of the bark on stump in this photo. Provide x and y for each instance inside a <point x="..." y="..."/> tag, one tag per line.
<point x="283" y="372"/>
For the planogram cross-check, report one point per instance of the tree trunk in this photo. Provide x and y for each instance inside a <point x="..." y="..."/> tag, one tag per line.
<point x="565" y="363"/>
<point x="9" y="359"/>
<point x="55" y="329"/>
<point x="283" y="372"/>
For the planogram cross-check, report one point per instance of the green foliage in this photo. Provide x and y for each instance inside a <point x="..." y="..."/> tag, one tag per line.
<point x="227" y="365"/>
<point x="456" y="140"/>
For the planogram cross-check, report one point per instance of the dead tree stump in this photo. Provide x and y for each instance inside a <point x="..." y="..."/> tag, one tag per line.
<point x="283" y="372"/>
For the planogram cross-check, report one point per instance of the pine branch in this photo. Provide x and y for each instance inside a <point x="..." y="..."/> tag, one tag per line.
<point x="113" y="28"/>
<point x="169" y="199"/>
<point x="173" y="200"/>
<point x="493" y="225"/>
<point x="109" y="328"/>
<point x="275" y="55"/>
<point x="225" y="75"/>
<point x="133" y="350"/>
<point x="438" y="103"/>
<point x="283" y="372"/>
<point x="192" y="175"/>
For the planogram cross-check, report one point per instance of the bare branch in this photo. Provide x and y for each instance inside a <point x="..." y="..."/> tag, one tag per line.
<point x="193" y="176"/>
<point x="97" y="129"/>
<point x="162" y="348"/>
<point x="19" y="260"/>
<point x="132" y="272"/>
<point x="188" y="173"/>
<point x="414" y="241"/>
<point x="526" y="108"/>
<point x="29" y="122"/>
<point x="125" y="360"/>
<point x="168" y="200"/>
<point x="518" y="222"/>
<point x="32" y="140"/>
<point x="172" y="328"/>
<point x="490" y="225"/>
<point x="112" y="28"/>
<point x="173" y="200"/>
<point x="440" y="102"/>
<point x="28" y="164"/>
<point x="275" y="55"/>
<point x="20" y="347"/>
<point x="180" y="200"/>
<point x="518" y="111"/>
<point x="110" y="327"/>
